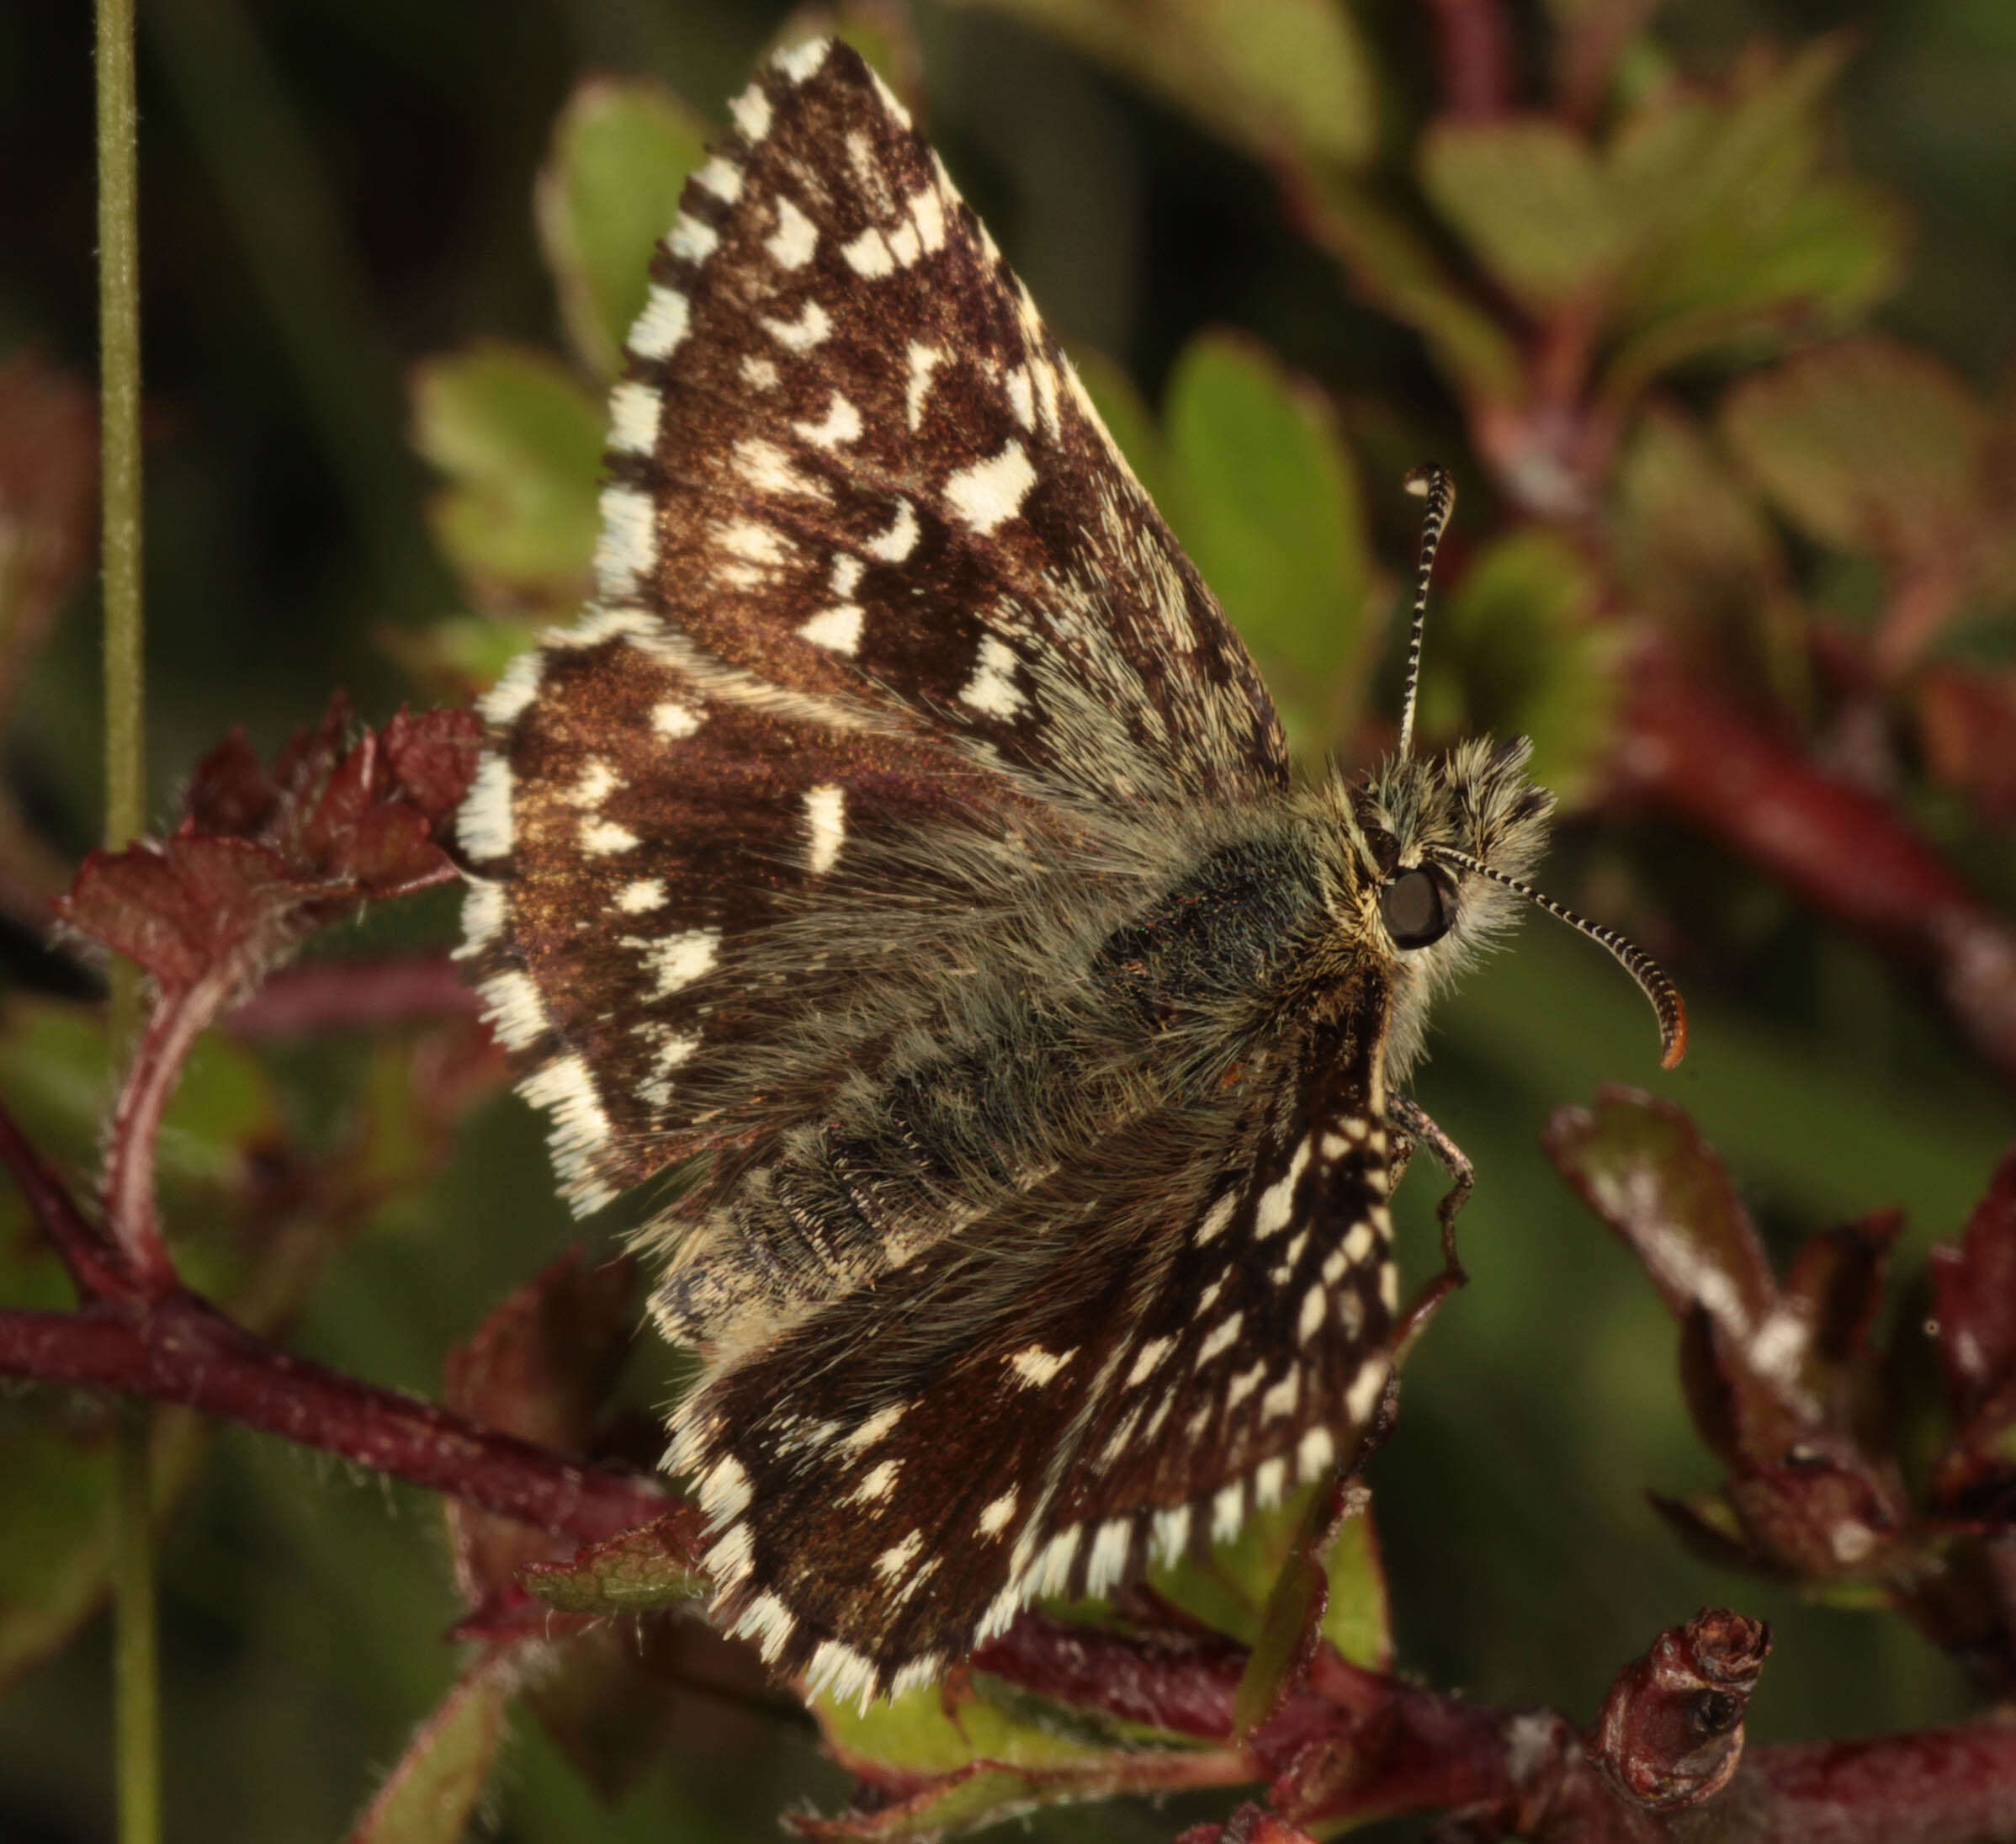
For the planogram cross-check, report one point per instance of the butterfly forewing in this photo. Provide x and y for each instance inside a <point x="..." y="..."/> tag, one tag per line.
<point x="870" y="561"/>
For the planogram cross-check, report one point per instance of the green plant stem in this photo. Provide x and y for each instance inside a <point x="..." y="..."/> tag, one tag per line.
<point x="136" y="1673"/>
<point x="118" y="359"/>
<point x="135" y="1661"/>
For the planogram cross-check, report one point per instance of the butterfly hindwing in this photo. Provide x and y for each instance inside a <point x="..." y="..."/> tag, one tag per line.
<point x="1045" y="1405"/>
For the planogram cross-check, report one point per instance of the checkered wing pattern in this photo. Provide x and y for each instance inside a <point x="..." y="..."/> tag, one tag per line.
<point x="894" y="1480"/>
<point x="870" y="563"/>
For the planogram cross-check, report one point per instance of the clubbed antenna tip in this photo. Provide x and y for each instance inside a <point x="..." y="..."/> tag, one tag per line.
<point x="1433" y="484"/>
<point x="1651" y="976"/>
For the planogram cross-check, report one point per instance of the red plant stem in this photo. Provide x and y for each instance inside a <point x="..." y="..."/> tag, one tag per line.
<point x="1474" y="53"/>
<point x="93" y="1264"/>
<point x="177" y="1348"/>
<point x="361" y="995"/>
<point x="1352" y="1743"/>
<point x="1940" y="1786"/>
<point x="172" y="1028"/>
<point x="1850" y="854"/>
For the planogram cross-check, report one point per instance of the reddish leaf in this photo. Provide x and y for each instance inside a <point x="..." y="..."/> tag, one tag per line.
<point x="609" y="1702"/>
<point x="200" y="907"/>
<point x="1974" y="1296"/>
<point x="1641" y="1165"/>
<point x="1745" y="1419"/>
<point x="1836" y="1284"/>
<point x="430" y="1795"/>
<point x="538" y="1368"/>
<point x="1181" y="1680"/>
<point x="1823" y="1510"/>
<point x="261" y="857"/>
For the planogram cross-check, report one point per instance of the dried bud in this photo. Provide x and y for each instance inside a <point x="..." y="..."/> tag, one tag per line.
<point x="1671" y="1732"/>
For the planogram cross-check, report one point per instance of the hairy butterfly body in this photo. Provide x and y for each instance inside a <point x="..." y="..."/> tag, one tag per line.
<point x="904" y="830"/>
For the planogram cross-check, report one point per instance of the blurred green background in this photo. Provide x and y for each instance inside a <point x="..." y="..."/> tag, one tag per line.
<point x="335" y="191"/>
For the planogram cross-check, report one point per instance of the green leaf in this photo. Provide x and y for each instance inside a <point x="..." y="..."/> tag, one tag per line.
<point x="637" y="1571"/>
<point x="1520" y="656"/>
<point x="1532" y="201"/>
<point x="984" y="1763"/>
<point x="1230" y="1589"/>
<point x="1867" y="446"/>
<point x="1743" y="238"/>
<point x="1291" y="1619"/>
<point x="609" y="189"/>
<point x="430" y="1797"/>
<point x="1706" y="223"/>
<point x="520" y="440"/>
<point x="1264" y="497"/>
<point x="915" y="1733"/>
<point x="1293" y="77"/>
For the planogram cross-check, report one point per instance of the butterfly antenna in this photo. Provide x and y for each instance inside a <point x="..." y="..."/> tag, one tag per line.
<point x="1651" y="978"/>
<point x="1433" y="484"/>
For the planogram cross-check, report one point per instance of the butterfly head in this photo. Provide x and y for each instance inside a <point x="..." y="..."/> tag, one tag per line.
<point x="1449" y="840"/>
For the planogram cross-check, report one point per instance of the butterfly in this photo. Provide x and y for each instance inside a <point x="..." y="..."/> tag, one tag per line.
<point x="904" y="844"/>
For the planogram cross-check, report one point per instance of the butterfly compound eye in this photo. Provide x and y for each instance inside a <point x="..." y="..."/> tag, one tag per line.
<point x="1415" y="908"/>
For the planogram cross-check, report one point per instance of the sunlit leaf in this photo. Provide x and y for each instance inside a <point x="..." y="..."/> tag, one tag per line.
<point x="1532" y="201"/>
<point x="519" y="438"/>
<point x="1264" y="496"/>
<point x="609" y="189"/>
<point x="1228" y="1590"/>
<point x="984" y="1763"/>
<point x="1867" y="445"/>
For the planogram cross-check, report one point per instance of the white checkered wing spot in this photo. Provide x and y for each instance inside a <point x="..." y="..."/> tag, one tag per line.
<point x="869" y="563"/>
<point x="1047" y="1406"/>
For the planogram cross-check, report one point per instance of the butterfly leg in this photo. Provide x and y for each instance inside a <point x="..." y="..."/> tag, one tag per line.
<point x="1413" y="1120"/>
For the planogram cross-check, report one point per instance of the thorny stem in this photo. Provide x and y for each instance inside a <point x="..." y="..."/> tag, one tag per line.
<point x="174" y="1347"/>
<point x="151" y="1081"/>
<point x="181" y="1349"/>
